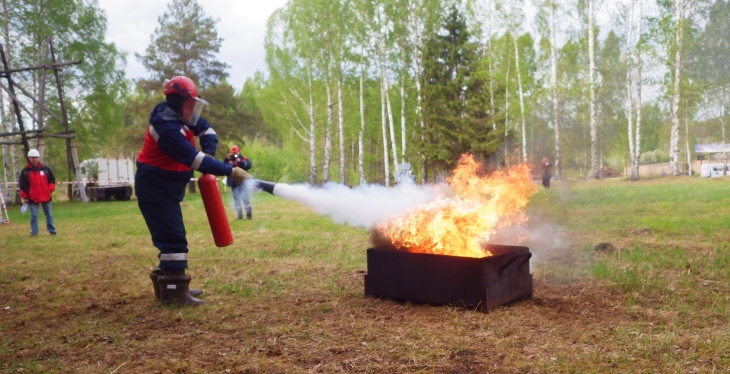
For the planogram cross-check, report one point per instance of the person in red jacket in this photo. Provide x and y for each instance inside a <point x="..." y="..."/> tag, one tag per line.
<point x="36" y="184"/>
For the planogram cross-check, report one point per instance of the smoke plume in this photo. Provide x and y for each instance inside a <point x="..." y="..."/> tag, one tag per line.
<point x="364" y="205"/>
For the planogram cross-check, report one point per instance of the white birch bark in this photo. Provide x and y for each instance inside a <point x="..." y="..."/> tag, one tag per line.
<point x="386" y="89"/>
<point x="490" y="58"/>
<point x="674" y="135"/>
<point x="386" y="163"/>
<point x="690" y="170"/>
<point x="328" y="137"/>
<point x="637" y="140"/>
<point x="312" y="134"/>
<point x="722" y="125"/>
<point x="403" y="102"/>
<point x="629" y="91"/>
<point x="522" y="102"/>
<point x="393" y="143"/>
<point x="592" y="88"/>
<point x="417" y="76"/>
<point x="554" y="77"/>
<point x="506" y="114"/>
<point x="341" y="127"/>
<point x="360" y="136"/>
<point x="724" y="154"/>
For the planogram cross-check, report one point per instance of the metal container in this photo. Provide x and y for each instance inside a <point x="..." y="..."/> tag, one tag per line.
<point x="475" y="283"/>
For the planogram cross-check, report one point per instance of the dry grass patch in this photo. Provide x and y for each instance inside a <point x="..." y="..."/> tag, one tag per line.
<point x="287" y="297"/>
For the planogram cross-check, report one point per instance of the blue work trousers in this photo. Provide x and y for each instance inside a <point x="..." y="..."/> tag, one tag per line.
<point x="165" y="222"/>
<point x="34" y="218"/>
<point x="240" y="194"/>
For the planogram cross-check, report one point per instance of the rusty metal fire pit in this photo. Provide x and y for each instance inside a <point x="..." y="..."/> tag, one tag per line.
<point x="474" y="283"/>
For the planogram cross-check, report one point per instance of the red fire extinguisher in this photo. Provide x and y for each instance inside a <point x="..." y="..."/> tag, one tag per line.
<point x="214" y="209"/>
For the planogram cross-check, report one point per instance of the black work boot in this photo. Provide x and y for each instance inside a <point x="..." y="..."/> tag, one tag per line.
<point x="174" y="288"/>
<point x="240" y="214"/>
<point x="248" y="215"/>
<point x="156" y="285"/>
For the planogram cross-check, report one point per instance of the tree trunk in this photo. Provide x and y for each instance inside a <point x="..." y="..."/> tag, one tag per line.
<point x="506" y="114"/>
<point x="690" y="170"/>
<point x="341" y="127"/>
<point x="592" y="88"/>
<point x="403" y="103"/>
<point x="674" y="138"/>
<point x="554" y="74"/>
<point x="360" y="146"/>
<point x="384" y="79"/>
<point x="383" y="120"/>
<point x="328" y="137"/>
<point x="637" y="140"/>
<point x="312" y="134"/>
<point x="724" y="154"/>
<point x="419" y="100"/>
<point x="629" y="83"/>
<point x="522" y="103"/>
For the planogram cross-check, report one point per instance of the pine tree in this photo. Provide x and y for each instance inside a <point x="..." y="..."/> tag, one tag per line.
<point x="184" y="44"/>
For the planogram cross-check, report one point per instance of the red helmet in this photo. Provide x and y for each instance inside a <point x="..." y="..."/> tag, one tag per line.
<point x="235" y="149"/>
<point x="182" y="86"/>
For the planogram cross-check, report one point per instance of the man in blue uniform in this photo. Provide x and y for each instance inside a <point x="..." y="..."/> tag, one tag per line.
<point x="164" y="168"/>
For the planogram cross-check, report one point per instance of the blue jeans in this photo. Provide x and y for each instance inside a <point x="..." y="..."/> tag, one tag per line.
<point x="240" y="194"/>
<point x="34" y="218"/>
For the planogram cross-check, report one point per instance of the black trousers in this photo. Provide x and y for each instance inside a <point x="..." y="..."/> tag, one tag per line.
<point x="166" y="226"/>
<point x="546" y="181"/>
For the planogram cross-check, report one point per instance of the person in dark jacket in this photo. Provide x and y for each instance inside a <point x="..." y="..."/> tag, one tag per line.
<point x="164" y="168"/>
<point x="546" y="172"/>
<point x="240" y="191"/>
<point x="36" y="185"/>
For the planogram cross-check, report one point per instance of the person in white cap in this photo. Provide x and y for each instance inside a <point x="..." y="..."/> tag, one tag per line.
<point x="36" y="185"/>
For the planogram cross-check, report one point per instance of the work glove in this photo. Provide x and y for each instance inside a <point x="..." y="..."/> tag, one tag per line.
<point x="239" y="175"/>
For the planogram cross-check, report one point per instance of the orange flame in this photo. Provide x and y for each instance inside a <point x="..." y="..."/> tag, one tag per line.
<point x="460" y="225"/>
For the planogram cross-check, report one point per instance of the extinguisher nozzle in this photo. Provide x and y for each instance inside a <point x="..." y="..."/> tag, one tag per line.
<point x="266" y="186"/>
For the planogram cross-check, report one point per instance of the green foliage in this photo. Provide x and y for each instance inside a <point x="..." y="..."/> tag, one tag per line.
<point x="275" y="164"/>
<point x="93" y="91"/>
<point x="184" y="44"/>
<point x="456" y="121"/>
<point x="653" y="157"/>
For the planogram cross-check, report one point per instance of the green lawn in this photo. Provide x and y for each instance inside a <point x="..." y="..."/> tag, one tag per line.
<point x="287" y="296"/>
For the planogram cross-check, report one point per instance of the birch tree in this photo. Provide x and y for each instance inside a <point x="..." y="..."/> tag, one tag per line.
<point x="290" y="56"/>
<point x="554" y="89"/>
<point x="676" y="87"/>
<point x="595" y="173"/>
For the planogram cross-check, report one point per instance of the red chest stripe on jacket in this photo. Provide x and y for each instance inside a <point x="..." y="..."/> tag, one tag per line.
<point x="152" y="155"/>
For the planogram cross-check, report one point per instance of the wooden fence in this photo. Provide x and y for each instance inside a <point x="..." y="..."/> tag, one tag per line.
<point x="663" y="168"/>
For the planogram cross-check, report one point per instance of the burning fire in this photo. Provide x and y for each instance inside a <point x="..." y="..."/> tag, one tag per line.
<point x="460" y="225"/>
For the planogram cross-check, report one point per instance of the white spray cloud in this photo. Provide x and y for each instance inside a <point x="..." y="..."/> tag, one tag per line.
<point x="364" y="205"/>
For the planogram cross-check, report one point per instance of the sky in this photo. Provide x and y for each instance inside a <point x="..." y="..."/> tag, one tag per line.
<point x="242" y="25"/>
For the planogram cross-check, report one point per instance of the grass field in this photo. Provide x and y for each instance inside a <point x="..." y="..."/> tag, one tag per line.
<point x="287" y="296"/>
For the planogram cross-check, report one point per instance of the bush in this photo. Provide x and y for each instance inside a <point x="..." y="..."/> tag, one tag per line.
<point x="653" y="157"/>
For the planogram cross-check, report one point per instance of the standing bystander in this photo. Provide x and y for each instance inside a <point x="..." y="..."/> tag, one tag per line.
<point x="546" y="172"/>
<point x="36" y="185"/>
<point x="240" y="191"/>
